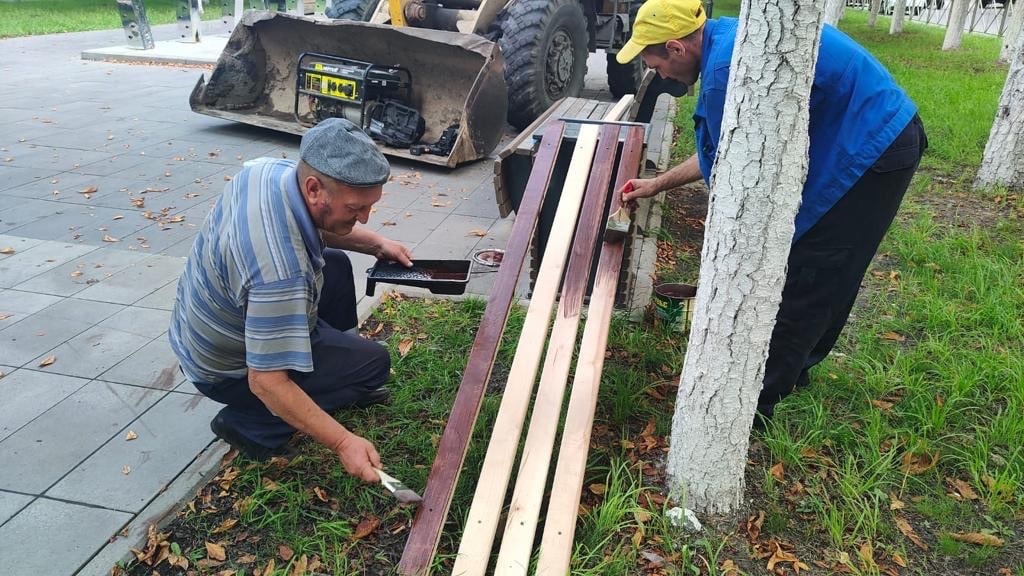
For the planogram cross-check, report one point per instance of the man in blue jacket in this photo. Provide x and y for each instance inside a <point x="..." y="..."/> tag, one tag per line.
<point x="866" y="141"/>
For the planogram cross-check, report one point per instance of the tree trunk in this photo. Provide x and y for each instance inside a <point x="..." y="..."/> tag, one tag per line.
<point x="896" y="24"/>
<point x="834" y="11"/>
<point x="1003" y="161"/>
<point x="1012" y="32"/>
<point x="755" y="192"/>
<point x="957" y="19"/>
<point x="876" y="5"/>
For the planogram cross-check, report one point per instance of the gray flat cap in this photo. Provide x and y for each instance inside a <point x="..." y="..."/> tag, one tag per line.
<point x="338" y="148"/>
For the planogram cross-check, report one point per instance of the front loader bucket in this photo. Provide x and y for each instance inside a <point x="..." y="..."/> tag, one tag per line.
<point x="455" y="78"/>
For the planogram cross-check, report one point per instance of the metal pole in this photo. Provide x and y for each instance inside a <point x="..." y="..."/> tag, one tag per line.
<point x="136" y="24"/>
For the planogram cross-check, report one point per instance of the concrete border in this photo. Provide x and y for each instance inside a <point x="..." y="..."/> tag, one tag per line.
<point x="202" y="53"/>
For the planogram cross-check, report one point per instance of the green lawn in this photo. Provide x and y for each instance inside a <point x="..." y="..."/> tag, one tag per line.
<point x="32" y="17"/>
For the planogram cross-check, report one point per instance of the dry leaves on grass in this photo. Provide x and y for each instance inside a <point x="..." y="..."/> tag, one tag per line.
<point x="320" y="493"/>
<point x="778" y="472"/>
<point x="284" y="552"/>
<point x="963" y="489"/>
<point x="404" y="346"/>
<point x="365" y="527"/>
<point x="226" y="525"/>
<point x="216" y="552"/>
<point x="908" y="531"/>
<point x="779" y="556"/>
<point x="894" y="336"/>
<point x="977" y="538"/>
<point x="915" y="464"/>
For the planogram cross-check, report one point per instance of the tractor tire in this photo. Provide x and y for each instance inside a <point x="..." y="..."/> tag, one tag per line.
<point x="544" y="43"/>
<point x="358" y="10"/>
<point x="623" y="78"/>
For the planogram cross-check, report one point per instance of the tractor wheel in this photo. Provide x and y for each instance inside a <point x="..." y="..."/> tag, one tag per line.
<point x="544" y="43"/>
<point x="623" y="78"/>
<point x="359" y="10"/>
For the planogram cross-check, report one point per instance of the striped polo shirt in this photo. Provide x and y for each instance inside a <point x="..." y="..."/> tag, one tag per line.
<point x="249" y="292"/>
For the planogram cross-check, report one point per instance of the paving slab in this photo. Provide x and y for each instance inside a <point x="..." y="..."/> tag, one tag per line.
<point x="43" y="451"/>
<point x="11" y="503"/>
<point x="456" y="237"/>
<point x="91" y="353"/>
<point x="72" y="277"/>
<point x="36" y="334"/>
<point x="13" y="177"/>
<point x="40" y="258"/>
<point x="51" y="537"/>
<point x="16" y="305"/>
<point x="28" y="393"/>
<point x="141" y="321"/>
<point x="162" y="299"/>
<point x="152" y="366"/>
<point x="169" y="436"/>
<point x="137" y="282"/>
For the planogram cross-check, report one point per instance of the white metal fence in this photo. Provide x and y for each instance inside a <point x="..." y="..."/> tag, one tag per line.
<point x="984" y="16"/>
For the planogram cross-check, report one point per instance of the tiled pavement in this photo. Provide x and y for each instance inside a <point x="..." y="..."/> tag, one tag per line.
<point x="105" y="175"/>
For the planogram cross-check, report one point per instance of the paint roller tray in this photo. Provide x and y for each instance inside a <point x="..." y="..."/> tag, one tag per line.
<point x="438" y="276"/>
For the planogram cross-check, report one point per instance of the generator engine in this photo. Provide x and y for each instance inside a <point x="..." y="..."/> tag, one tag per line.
<point x="376" y="98"/>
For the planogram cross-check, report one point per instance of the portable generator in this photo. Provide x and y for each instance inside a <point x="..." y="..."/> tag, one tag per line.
<point x="376" y="98"/>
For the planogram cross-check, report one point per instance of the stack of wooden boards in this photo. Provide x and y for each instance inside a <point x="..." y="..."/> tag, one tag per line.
<point x="587" y="185"/>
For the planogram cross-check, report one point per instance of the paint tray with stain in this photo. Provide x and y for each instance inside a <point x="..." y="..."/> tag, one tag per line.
<point x="438" y="276"/>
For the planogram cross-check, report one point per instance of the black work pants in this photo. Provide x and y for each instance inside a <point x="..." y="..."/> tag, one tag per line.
<point x="827" y="264"/>
<point x="346" y="366"/>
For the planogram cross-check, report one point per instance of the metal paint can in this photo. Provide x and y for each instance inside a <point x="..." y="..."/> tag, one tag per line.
<point x="673" y="306"/>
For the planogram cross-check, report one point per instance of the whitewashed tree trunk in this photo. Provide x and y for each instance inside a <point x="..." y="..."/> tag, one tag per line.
<point x="755" y="192"/>
<point x="876" y="5"/>
<point x="1003" y="161"/>
<point x="957" y="19"/>
<point x="834" y="11"/>
<point x="1013" y="31"/>
<point x="896" y="24"/>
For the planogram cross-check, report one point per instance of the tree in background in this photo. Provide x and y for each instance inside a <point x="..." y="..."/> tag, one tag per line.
<point x="876" y="5"/>
<point x="896" y="24"/>
<point x="834" y="11"/>
<point x="756" y="187"/>
<point x="1003" y="161"/>
<point x="957" y="19"/>
<point x="1013" y="31"/>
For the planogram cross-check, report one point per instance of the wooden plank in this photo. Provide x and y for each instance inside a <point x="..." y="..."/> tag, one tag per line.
<point x="563" y="505"/>
<point x="451" y="451"/>
<point x="482" y="522"/>
<point x="517" y="542"/>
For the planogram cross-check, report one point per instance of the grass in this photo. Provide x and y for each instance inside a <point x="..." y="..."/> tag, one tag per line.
<point x="33" y="17"/>
<point x="911" y="436"/>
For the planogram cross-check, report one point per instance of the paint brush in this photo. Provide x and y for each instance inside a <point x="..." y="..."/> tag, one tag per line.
<point x="404" y="495"/>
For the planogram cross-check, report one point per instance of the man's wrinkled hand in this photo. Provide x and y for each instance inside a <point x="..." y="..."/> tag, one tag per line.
<point x="639" y="188"/>
<point x="394" y="252"/>
<point x="359" y="457"/>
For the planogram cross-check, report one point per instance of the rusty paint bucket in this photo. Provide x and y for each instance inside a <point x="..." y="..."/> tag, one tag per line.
<point x="673" y="306"/>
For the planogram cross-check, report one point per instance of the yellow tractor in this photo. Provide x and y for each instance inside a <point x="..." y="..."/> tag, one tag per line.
<point x="430" y="80"/>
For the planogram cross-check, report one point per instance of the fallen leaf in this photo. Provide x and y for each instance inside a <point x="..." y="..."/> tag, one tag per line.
<point x="729" y="568"/>
<point x="478" y="233"/>
<point x="48" y="360"/>
<point x="754" y="526"/>
<point x="138" y="202"/>
<point x="882" y="405"/>
<point x="149" y="190"/>
<point x="176" y="219"/>
<point x="131" y="435"/>
<point x="908" y="531"/>
<point x="895" y="503"/>
<point x="285" y="553"/>
<point x="598" y="489"/>
<point x="5" y="316"/>
<point x="246" y="559"/>
<point x="388" y="223"/>
<point x="780" y="555"/>
<point x="126" y="469"/>
<point x="7" y="250"/>
<point x="89" y="190"/>
<point x="118" y="217"/>
<point x="365" y="527"/>
<point x="270" y="485"/>
<point x="320" y="494"/>
<point x="404" y="346"/>
<point x="215" y="552"/>
<point x="894" y="337"/>
<point x="109" y="238"/>
<point x="226" y="525"/>
<point x="915" y="464"/>
<point x="963" y="488"/>
<point x="299" y="567"/>
<point x="977" y="538"/>
<point x="76" y="273"/>
<point x="899" y="560"/>
<point x="268" y="570"/>
<point x="778" y="472"/>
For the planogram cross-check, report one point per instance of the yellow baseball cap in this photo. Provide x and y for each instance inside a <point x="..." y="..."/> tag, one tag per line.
<point x="659" y="21"/>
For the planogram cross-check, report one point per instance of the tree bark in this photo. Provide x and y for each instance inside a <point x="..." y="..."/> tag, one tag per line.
<point x="896" y="24"/>
<point x="755" y="191"/>
<point x="876" y="5"/>
<point x="1012" y="32"/>
<point x="834" y="11"/>
<point x="957" y="19"/>
<point x="1003" y="161"/>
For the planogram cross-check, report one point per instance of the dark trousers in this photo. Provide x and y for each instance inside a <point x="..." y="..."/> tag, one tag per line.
<point x="346" y="366"/>
<point x="827" y="264"/>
